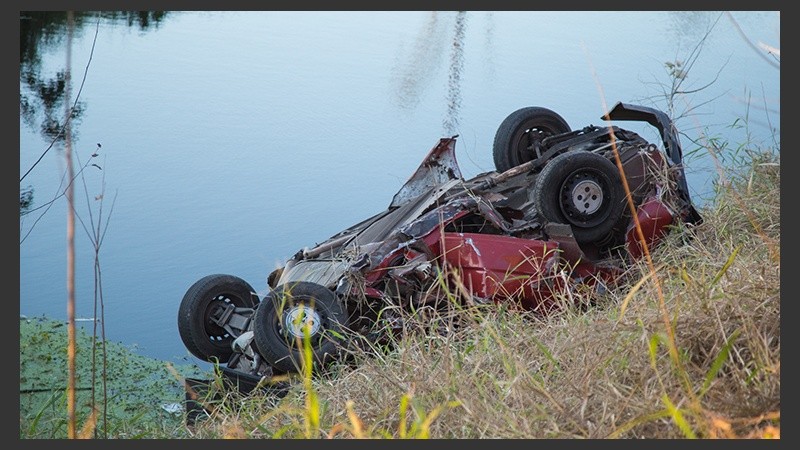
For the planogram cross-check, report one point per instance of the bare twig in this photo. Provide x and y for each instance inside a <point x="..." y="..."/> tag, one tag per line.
<point x="96" y="233"/>
<point x="49" y="204"/>
<point x="750" y="43"/>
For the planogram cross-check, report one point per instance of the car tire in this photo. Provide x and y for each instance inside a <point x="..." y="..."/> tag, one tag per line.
<point x="278" y="329"/>
<point x="520" y="130"/>
<point x="203" y="338"/>
<point x="581" y="189"/>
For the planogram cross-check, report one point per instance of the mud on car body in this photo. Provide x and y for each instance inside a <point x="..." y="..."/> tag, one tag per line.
<point x="553" y="215"/>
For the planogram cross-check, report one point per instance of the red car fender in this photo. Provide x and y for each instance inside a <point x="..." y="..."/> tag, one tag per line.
<point x="654" y="218"/>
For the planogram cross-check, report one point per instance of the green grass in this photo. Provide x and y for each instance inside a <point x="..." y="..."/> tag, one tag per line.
<point x="136" y="386"/>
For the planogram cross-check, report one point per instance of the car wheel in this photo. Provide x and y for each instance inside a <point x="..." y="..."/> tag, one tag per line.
<point x="280" y="320"/>
<point x="205" y="300"/>
<point x="582" y="189"/>
<point x="521" y="131"/>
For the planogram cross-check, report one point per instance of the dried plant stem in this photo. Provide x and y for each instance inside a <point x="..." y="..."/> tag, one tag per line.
<point x="70" y="249"/>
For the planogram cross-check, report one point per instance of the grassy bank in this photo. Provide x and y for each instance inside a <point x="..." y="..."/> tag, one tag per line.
<point x="142" y="393"/>
<point x="690" y="351"/>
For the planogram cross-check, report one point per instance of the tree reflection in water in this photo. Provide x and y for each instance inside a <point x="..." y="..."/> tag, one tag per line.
<point x="41" y="96"/>
<point x="415" y="74"/>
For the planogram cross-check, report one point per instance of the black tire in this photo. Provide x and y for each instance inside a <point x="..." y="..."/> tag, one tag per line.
<point x="520" y="130"/>
<point x="560" y="194"/>
<point x="203" y="338"/>
<point x="276" y="325"/>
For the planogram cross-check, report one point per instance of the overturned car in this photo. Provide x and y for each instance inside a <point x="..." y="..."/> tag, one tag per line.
<point x="563" y="208"/>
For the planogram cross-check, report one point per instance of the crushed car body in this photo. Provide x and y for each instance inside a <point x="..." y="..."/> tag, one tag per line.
<point x="554" y="214"/>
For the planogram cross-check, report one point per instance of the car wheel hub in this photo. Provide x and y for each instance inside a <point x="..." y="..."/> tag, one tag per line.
<point x="587" y="197"/>
<point x="296" y="319"/>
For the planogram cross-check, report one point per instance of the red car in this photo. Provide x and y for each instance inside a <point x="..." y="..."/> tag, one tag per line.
<point x="554" y="215"/>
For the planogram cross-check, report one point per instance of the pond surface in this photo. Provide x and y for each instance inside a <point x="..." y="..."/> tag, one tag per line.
<point x="228" y="141"/>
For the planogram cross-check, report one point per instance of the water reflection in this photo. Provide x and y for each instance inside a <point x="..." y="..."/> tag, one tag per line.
<point x="428" y="54"/>
<point x="41" y="31"/>
<point x="414" y="74"/>
<point x="488" y="63"/>
<point x="689" y="27"/>
<point x="454" y="78"/>
<point x="42" y="96"/>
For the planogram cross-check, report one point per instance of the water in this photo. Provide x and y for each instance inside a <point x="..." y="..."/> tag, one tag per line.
<point x="230" y="140"/>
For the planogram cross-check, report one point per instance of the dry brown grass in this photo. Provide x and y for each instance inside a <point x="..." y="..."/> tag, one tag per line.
<point x="601" y="373"/>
